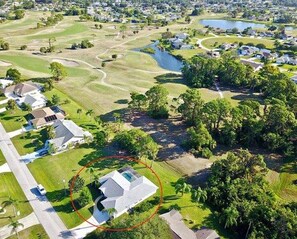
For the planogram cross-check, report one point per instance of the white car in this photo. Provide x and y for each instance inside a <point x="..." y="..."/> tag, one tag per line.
<point x="41" y="189"/>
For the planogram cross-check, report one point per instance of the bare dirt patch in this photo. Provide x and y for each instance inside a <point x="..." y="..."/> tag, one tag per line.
<point x="170" y="134"/>
<point x="67" y="62"/>
<point x="3" y="63"/>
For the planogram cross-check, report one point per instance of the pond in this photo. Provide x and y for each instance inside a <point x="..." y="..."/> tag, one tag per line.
<point x="164" y="59"/>
<point x="228" y="24"/>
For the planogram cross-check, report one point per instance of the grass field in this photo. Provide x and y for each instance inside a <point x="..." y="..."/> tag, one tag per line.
<point x="2" y="159"/>
<point x="209" y="43"/>
<point x="13" y="120"/>
<point x="34" y="232"/>
<point x="9" y="187"/>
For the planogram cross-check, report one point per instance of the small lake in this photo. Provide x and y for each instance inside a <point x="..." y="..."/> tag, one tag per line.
<point x="240" y="25"/>
<point x="164" y="59"/>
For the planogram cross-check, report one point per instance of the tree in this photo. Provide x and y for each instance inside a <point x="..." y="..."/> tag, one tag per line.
<point x="191" y="105"/>
<point x="114" y="56"/>
<point x="100" y="138"/>
<point x="19" y="14"/>
<point x="199" y="195"/>
<point x="85" y="197"/>
<point x="23" y="47"/>
<point x="138" y="101"/>
<point x="13" y="74"/>
<point x="11" y="202"/>
<point x="79" y="111"/>
<point x="50" y="132"/>
<point x="91" y="171"/>
<point x="56" y="100"/>
<point x="15" y="226"/>
<point x="48" y="85"/>
<point x="157" y="98"/>
<point x="58" y="71"/>
<point x="43" y="49"/>
<point x="90" y="112"/>
<point x="230" y="215"/>
<point x="78" y="184"/>
<point x="11" y="105"/>
<point x="182" y="187"/>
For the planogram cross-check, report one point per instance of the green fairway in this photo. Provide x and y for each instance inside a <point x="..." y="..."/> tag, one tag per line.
<point x="13" y="120"/>
<point x="34" y="232"/>
<point x="75" y="28"/>
<point x="209" y="43"/>
<point x="9" y="187"/>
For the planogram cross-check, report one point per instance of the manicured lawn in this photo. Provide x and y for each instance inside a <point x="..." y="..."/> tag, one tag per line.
<point x="34" y="232"/>
<point x="13" y="120"/>
<point x="284" y="183"/>
<point x="209" y="43"/>
<point x="71" y="108"/>
<point x="9" y="187"/>
<point x="60" y="167"/>
<point x="2" y="159"/>
<point x="30" y="141"/>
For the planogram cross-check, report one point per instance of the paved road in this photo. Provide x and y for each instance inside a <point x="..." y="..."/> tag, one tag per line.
<point x="44" y="211"/>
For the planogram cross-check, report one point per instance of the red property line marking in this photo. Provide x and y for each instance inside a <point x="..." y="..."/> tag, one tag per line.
<point x="124" y="228"/>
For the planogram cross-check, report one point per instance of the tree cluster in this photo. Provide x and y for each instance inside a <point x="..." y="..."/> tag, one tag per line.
<point x="239" y="193"/>
<point x="4" y="46"/>
<point x="83" y="45"/>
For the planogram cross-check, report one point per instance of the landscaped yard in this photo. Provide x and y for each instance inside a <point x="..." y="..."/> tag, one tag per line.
<point x="9" y="187"/>
<point x="29" y="142"/>
<point x="34" y="232"/>
<point x="13" y="120"/>
<point x="209" y="43"/>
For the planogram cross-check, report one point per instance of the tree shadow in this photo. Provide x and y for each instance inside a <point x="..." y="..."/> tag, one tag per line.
<point x="170" y="78"/>
<point x="199" y="178"/>
<point x="40" y="79"/>
<point x="57" y="195"/>
<point x="122" y="101"/>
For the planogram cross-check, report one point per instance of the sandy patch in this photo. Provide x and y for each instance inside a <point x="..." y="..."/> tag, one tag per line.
<point x="67" y="62"/>
<point x="3" y="63"/>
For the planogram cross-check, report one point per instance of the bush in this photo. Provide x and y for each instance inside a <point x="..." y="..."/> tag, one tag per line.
<point x="85" y="197"/>
<point x="144" y="207"/>
<point x="23" y="47"/>
<point x="206" y="153"/>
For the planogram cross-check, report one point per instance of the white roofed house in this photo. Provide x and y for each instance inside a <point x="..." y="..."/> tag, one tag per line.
<point x="67" y="135"/>
<point x="35" y="101"/>
<point x="123" y="189"/>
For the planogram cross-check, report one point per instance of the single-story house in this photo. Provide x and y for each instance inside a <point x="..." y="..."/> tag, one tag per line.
<point x="256" y="66"/>
<point x="180" y="231"/>
<point x="46" y="116"/>
<point x="123" y="189"/>
<point x="67" y="135"/>
<point x="21" y="89"/>
<point x="35" y="101"/>
<point x="182" y="36"/>
<point x="4" y="83"/>
<point x="294" y="78"/>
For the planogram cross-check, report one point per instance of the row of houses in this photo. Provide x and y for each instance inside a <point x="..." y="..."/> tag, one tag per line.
<point x="67" y="133"/>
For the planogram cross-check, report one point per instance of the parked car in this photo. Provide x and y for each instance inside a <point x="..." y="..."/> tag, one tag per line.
<point x="41" y="189"/>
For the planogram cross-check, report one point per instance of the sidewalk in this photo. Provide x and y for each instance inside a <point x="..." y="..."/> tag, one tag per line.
<point x="27" y="221"/>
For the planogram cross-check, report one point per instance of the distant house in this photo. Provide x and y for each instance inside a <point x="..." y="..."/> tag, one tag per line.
<point x="67" y="135"/>
<point x="4" y="83"/>
<point x="256" y="66"/>
<point x="181" y="231"/>
<point x="294" y="78"/>
<point x="182" y="36"/>
<point x="248" y="50"/>
<point x="21" y="89"/>
<point x="123" y="189"/>
<point x="46" y="116"/>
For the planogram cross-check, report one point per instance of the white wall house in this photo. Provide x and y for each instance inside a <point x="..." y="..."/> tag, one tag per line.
<point x="67" y="135"/>
<point x="124" y="189"/>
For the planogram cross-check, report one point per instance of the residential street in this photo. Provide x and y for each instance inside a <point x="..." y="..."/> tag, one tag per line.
<point x="44" y="211"/>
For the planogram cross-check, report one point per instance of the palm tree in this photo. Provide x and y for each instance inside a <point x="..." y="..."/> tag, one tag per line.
<point x="182" y="187"/>
<point x="10" y="202"/>
<point x="230" y="216"/>
<point x="15" y="225"/>
<point x="90" y="113"/>
<point x="110" y="211"/>
<point x="199" y="195"/>
<point x="79" y="111"/>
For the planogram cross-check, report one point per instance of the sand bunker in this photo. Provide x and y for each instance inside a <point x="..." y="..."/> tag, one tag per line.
<point x="66" y="62"/>
<point x="3" y="63"/>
